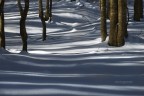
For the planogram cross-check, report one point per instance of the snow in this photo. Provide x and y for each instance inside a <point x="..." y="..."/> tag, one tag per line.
<point x="72" y="61"/>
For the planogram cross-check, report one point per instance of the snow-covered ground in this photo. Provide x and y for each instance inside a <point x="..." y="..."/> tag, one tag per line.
<point x="72" y="61"/>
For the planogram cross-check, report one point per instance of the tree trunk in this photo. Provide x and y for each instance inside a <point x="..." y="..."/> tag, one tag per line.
<point x="23" y="13"/>
<point x="127" y="21"/>
<point x="50" y="10"/>
<point x="41" y="15"/>
<point x="113" y="23"/>
<point x="47" y="13"/>
<point x="108" y="9"/>
<point x="141" y="8"/>
<point x="23" y="34"/>
<point x="122" y="22"/>
<point x="137" y="11"/>
<point x="44" y="29"/>
<point x="2" y="33"/>
<point x="103" y="20"/>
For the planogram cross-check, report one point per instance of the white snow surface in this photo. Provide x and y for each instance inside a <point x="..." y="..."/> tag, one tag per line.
<point x="72" y="61"/>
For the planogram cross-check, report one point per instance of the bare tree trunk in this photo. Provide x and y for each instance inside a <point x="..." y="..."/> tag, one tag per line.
<point x="108" y="9"/>
<point x="42" y="17"/>
<point x="137" y="11"/>
<point x="47" y="13"/>
<point x="23" y="33"/>
<point x="103" y="20"/>
<point x="23" y="13"/>
<point x="2" y="33"/>
<point x="113" y="23"/>
<point x="141" y="8"/>
<point x="46" y="16"/>
<point x="50" y="10"/>
<point x="127" y="21"/>
<point x="122" y="22"/>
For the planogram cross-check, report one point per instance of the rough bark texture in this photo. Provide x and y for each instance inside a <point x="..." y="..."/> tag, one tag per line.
<point x="23" y="13"/>
<point x="103" y="20"/>
<point x="2" y="33"/>
<point x="122" y="22"/>
<point x="113" y="23"/>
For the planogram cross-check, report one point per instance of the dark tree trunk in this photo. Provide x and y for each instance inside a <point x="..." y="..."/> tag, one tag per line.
<point x="141" y="8"/>
<point x="23" y="13"/>
<point x="137" y="11"/>
<point x="44" y="17"/>
<point x="23" y="33"/>
<point x="44" y="29"/>
<point x="50" y="10"/>
<point x="2" y="33"/>
<point x="108" y="9"/>
<point x="103" y="20"/>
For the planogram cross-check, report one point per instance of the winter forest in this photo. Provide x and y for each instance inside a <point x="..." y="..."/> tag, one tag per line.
<point x="71" y="48"/>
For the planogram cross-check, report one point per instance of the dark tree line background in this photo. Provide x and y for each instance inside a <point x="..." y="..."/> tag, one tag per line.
<point x="115" y="10"/>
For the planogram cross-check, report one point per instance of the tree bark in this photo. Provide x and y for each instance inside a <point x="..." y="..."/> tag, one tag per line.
<point x="47" y="13"/>
<point x="122" y="22"/>
<point x="2" y="33"/>
<point x="50" y="10"/>
<point x="108" y="9"/>
<point x="141" y="8"/>
<point x="137" y="11"/>
<point x="113" y="23"/>
<point x="42" y="17"/>
<point x="23" y="13"/>
<point x="103" y="20"/>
